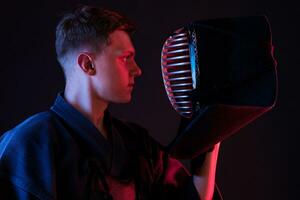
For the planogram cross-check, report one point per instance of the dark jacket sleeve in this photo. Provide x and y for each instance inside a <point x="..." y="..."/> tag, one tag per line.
<point x="167" y="177"/>
<point x="9" y="191"/>
<point x="177" y="182"/>
<point x="170" y="179"/>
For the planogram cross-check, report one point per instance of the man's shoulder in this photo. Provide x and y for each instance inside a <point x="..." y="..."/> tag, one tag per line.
<point x="32" y="124"/>
<point x="34" y="129"/>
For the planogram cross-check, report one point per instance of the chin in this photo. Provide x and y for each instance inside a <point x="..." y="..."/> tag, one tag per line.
<point x="127" y="100"/>
<point x="123" y="100"/>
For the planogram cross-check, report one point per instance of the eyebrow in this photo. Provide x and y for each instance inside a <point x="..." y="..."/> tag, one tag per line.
<point x="131" y="52"/>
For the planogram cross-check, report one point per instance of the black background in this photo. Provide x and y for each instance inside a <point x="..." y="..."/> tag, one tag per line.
<point x="253" y="164"/>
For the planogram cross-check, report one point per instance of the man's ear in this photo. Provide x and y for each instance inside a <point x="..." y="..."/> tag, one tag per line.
<point x="86" y="63"/>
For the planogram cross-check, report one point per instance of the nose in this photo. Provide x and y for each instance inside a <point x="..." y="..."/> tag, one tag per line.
<point x="136" y="70"/>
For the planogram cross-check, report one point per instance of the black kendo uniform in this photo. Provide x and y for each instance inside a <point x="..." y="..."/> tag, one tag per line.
<point x="59" y="154"/>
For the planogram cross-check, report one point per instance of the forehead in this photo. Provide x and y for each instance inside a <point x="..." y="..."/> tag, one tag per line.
<point x="120" y="40"/>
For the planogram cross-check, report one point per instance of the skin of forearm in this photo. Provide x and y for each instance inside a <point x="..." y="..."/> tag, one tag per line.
<point x="204" y="177"/>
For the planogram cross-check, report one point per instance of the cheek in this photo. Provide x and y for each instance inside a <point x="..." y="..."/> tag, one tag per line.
<point x="113" y="77"/>
<point x="121" y="74"/>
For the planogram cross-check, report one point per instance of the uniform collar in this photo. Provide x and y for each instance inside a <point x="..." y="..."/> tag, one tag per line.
<point x="112" y="154"/>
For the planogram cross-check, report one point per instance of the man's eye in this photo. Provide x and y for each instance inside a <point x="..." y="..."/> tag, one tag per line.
<point x="126" y="58"/>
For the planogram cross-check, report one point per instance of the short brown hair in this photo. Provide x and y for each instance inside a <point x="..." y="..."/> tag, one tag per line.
<point x="88" y="25"/>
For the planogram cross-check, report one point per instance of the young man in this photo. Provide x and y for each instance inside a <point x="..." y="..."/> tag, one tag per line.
<point x="76" y="150"/>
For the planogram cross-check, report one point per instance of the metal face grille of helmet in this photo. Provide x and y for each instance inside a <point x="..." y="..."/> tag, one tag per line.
<point x="179" y="70"/>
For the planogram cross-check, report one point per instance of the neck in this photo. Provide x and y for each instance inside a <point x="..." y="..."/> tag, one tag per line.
<point x="85" y="101"/>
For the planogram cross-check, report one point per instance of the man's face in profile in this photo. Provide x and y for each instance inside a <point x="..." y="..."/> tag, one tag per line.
<point x="116" y="69"/>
